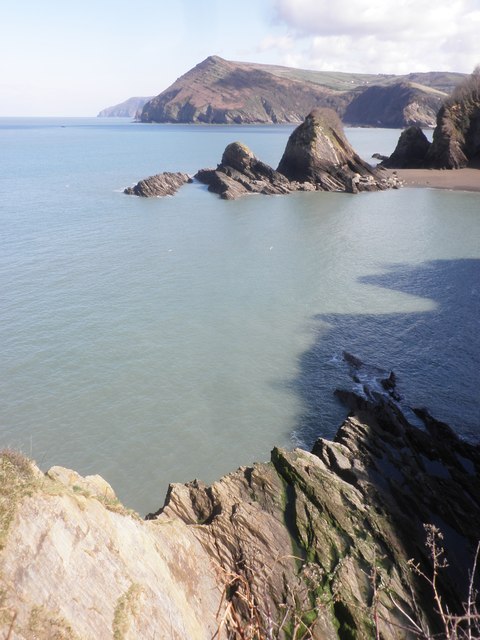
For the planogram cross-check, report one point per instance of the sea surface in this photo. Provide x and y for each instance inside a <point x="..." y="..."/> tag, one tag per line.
<point x="161" y="340"/>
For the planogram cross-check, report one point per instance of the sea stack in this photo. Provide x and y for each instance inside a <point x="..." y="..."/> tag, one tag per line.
<point x="318" y="152"/>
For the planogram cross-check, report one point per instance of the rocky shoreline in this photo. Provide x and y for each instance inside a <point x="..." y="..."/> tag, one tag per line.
<point x="319" y="542"/>
<point x="318" y="157"/>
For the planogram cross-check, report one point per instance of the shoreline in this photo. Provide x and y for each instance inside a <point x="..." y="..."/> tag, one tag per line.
<point x="453" y="179"/>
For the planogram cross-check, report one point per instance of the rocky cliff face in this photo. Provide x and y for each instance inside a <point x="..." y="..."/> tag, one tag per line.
<point x="224" y="92"/>
<point x="127" y="109"/>
<point x="456" y="138"/>
<point x="309" y="545"/>
<point x="398" y="105"/>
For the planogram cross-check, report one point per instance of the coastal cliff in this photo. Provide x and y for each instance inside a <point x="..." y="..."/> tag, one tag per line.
<point x="127" y="109"/>
<point x="308" y="545"/>
<point x="397" y="105"/>
<point x="456" y="138"/>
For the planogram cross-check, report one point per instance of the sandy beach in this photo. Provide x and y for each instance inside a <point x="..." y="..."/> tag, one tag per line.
<point x="454" y="179"/>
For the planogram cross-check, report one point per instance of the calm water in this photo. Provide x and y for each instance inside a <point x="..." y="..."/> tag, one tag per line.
<point x="161" y="340"/>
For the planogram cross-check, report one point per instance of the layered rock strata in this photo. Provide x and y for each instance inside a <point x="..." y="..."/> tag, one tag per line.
<point x="410" y="152"/>
<point x="456" y="138"/>
<point x="318" y="152"/>
<point x="159" y="185"/>
<point x="318" y="157"/>
<point x="225" y="92"/>
<point x="241" y="173"/>
<point x="314" y="542"/>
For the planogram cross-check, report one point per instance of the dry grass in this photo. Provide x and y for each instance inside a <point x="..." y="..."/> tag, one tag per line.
<point x="17" y="479"/>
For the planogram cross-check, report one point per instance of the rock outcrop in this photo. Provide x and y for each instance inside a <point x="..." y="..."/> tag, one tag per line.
<point x="410" y="152"/>
<point x="456" y="138"/>
<point x="241" y="173"/>
<point x="224" y="92"/>
<point x="161" y="184"/>
<point x="318" y="152"/>
<point x="319" y="542"/>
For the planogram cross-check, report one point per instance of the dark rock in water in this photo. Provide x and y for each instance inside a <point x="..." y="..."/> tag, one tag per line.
<point x="317" y="157"/>
<point x="241" y="173"/>
<point x="411" y="150"/>
<point x="456" y="138"/>
<point x="162" y="184"/>
<point x="318" y="152"/>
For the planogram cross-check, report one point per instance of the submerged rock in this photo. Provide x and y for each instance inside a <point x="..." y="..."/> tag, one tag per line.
<point x="316" y="540"/>
<point x="161" y="184"/>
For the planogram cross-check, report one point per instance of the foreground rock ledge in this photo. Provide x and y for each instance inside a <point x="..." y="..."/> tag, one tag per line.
<point x="317" y="540"/>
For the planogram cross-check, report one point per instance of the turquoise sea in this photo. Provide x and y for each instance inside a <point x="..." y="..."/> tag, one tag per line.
<point x="163" y="340"/>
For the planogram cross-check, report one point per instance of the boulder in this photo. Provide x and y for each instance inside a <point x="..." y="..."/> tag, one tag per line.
<point x="161" y="184"/>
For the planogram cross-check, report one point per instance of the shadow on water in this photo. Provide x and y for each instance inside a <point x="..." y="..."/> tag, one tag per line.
<point x="435" y="354"/>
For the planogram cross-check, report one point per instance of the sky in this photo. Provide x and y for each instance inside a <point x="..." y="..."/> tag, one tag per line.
<point x="71" y="58"/>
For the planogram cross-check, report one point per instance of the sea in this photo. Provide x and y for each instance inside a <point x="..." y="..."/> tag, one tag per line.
<point x="160" y="340"/>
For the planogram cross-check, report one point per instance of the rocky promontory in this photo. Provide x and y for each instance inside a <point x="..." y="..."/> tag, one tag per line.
<point x="130" y="108"/>
<point x="219" y="91"/>
<point x="347" y="541"/>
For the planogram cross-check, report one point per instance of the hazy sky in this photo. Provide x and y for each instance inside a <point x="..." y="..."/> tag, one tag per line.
<point x="66" y="57"/>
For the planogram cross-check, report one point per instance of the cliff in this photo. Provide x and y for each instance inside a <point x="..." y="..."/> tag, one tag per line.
<point x="224" y="92"/>
<point x="127" y="109"/>
<point x="398" y="105"/>
<point x="456" y="138"/>
<point x="308" y="545"/>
